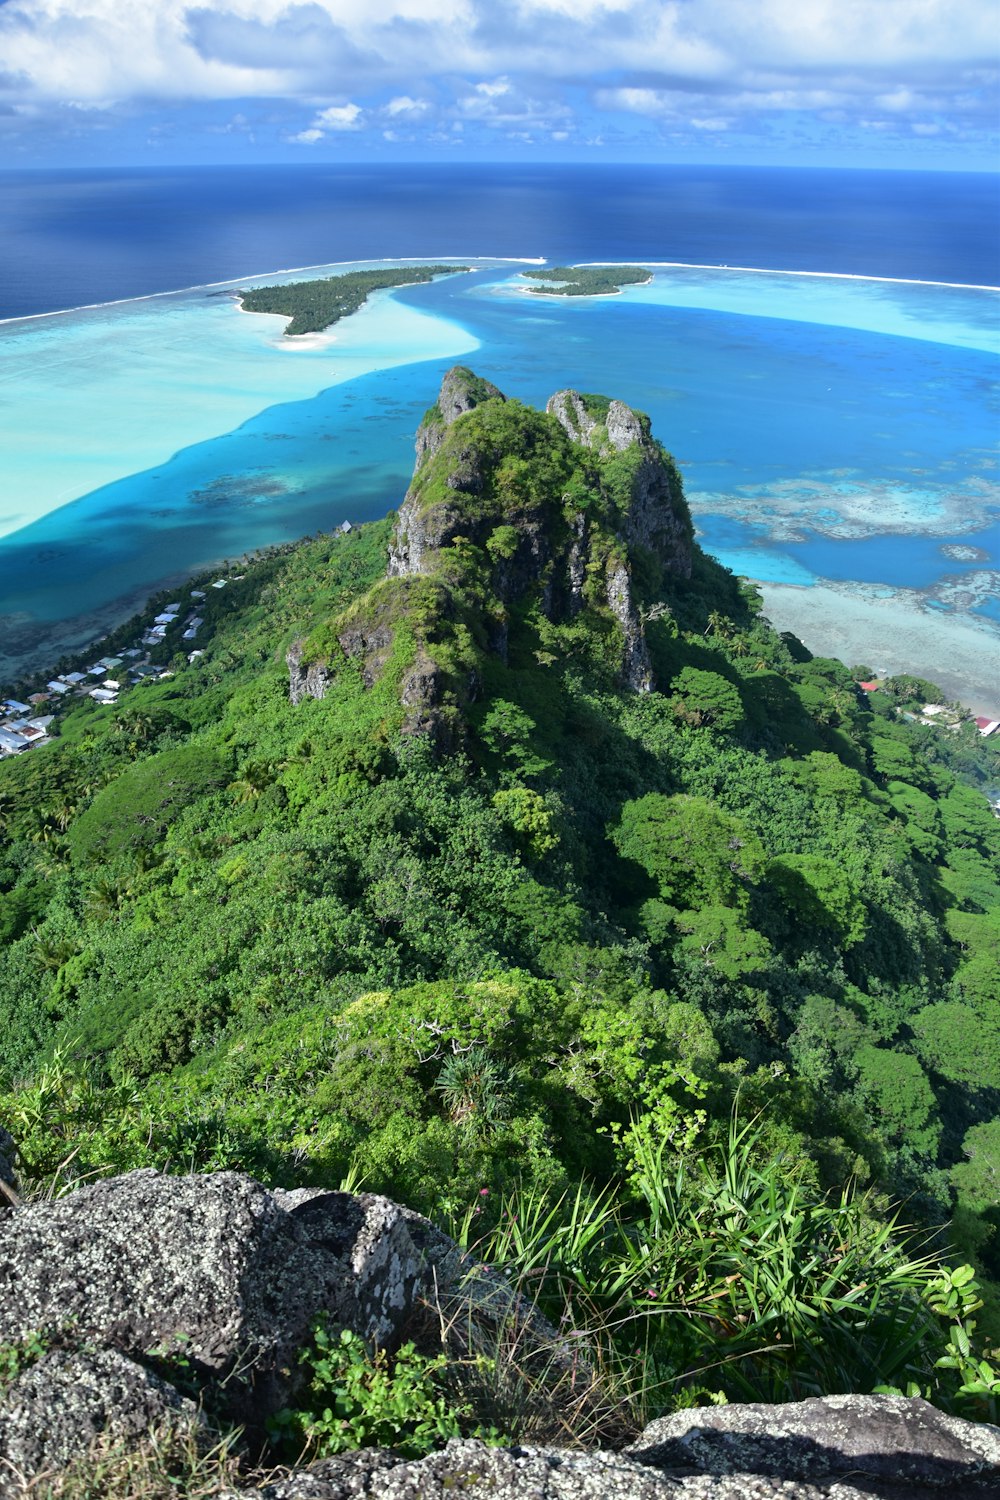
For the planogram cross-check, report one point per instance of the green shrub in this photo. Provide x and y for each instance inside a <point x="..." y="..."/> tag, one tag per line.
<point x="358" y="1399"/>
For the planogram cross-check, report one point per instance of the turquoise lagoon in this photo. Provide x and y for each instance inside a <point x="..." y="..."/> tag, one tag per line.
<point x="831" y="430"/>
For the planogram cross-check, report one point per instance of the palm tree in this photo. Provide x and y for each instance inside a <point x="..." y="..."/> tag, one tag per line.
<point x="255" y="779"/>
<point x="719" y="624"/>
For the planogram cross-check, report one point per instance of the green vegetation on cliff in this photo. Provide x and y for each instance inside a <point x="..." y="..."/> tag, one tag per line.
<point x="315" y="305"/>
<point x="473" y="917"/>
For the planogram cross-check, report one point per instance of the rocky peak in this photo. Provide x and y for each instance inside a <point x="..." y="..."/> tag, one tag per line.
<point x="512" y="510"/>
<point x="572" y="415"/>
<point x="624" y="427"/>
<point x="461" y="391"/>
<point x="617" y="429"/>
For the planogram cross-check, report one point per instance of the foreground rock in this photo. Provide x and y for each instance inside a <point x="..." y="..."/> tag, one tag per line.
<point x="887" y="1439"/>
<point x="212" y="1280"/>
<point x="146" y="1289"/>
<point x="58" y="1407"/>
<point x="837" y="1448"/>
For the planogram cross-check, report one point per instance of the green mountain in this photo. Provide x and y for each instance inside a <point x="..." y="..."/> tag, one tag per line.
<point x="503" y="847"/>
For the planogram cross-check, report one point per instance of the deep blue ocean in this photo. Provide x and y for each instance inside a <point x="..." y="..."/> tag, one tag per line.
<point x="829" y="430"/>
<point x="73" y="237"/>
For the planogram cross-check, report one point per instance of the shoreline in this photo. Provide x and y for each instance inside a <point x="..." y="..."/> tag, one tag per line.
<point x="895" y="635"/>
<point x="108" y="417"/>
<point x="234" y="281"/>
<point x="516" y="260"/>
<point x="322" y="339"/>
<point x="687" y="265"/>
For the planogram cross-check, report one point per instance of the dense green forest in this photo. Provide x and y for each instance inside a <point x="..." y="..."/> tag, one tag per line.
<point x="314" y="305"/>
<point x="587" y="281"/>
<point x="475" y="923"/>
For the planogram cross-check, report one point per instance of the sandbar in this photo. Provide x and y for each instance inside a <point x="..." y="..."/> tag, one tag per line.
<point x="894" y="633"/>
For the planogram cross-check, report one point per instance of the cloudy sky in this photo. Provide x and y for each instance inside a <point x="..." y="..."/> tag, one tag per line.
<point x="909" y="83"/>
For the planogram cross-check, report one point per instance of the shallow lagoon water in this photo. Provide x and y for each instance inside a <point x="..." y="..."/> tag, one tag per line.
<point x="124" y="387"/>
<point x="831" y="447"/>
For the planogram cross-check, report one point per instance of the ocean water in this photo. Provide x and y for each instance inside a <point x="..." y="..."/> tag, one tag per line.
<point x="819" y="351"/>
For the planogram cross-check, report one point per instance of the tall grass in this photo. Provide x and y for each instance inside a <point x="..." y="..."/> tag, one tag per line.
<point x="725" y="1274"/>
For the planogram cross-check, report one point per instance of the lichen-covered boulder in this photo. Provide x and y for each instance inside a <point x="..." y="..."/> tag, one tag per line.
<point x="470" y="1468"/>
<point x="215" y="1268"/>
<point x="896" y="1445"/>
<point x="59" y="1406"/>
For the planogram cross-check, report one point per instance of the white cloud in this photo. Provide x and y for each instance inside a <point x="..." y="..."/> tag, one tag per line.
<point x="334" y="119"/>
<point x="404" y="105"/>
<point x="706" y="65"/>
<point x="340" y="117"/>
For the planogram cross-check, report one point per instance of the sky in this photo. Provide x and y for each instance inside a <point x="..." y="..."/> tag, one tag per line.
<point x="878" y="83"/>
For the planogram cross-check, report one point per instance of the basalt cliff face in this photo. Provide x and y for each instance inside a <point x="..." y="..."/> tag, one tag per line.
<point x="515" y="521"/>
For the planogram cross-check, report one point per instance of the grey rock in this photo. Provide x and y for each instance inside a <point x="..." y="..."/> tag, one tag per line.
<point x="211" y="1266"/>
<point x="306" y="680"/>
<point x="57" y="1407"/>
<point x="637" y="670"/>
<point x="468" y="1467"/>
<point x="888" y="1440"/>
<point x="460" y="392"/>
<point x="569" y="411"/>
<point x="623" y="427"/>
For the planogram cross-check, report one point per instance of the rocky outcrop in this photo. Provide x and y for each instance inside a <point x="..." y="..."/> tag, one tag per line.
<point x="637" y="670"/>
<point x="308" y="680"/>
<point x="142" y="1283"/>
<point x="216" y="1275"/>
<point x="837" y="1448"/>
<point x="460" y="392"/>
<point x="508" y="506"/>
<point x="655" y="515"/>
<point x="652" y="515"/>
